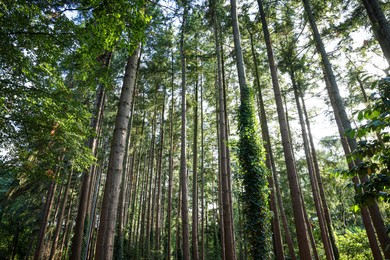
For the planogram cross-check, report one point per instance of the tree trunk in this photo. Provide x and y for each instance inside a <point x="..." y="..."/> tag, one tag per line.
<point x="46" y="216"/>
<point x="60" y="217"/>
<point x="158" y="200"/>
<point x="277" y="236"/>
<point x="77" y="240"/>
<point x="319" y="180"/>
<point x="183" y="164"/>
<point x="298" y="210"/>
<point x="195" y="250"/>
<point x="312" y="175"/>
<point x="151" y="189"/>
<point x="170" y="169"/>
<point x="105" y="238"/>
<point x="344" y="124"/>
<point x="202" y="248"/>
<point x="228" y="242"/>
<point x="380" y="25"/>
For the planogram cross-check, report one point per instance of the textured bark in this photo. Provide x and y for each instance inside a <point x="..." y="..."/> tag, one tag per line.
<point x="298" y="209"/>
<point x="319" y="180"/>
<point x="105" y="238"/>
<point x="202" y="247"/>
<point x="344" y="125"/>
<point x="195" y="249"/>
<point x="151" y="189"/>
<point x="60" y="217"/>
<point x="159" y="173"/>
<point x="228" y="242"/>
<point x="125" y="183"/>
<point x="77" y="240"/>
<point x="170" y="169"/>
<point x="380" y="25"/>
<point x="277" y="236"/>
<point x="183" y="164"/>
<point x="46" y="216"/>
<point x="312" y="175"/>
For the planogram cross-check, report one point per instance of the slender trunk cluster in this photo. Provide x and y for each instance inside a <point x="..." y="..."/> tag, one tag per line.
<point x="297" y="203"/>
<point x="344" y="124"/>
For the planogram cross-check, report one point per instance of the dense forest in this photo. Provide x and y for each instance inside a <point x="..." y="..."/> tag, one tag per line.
<point x="209" y="129"/>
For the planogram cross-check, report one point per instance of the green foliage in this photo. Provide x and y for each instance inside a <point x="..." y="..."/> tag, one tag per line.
<point x="373" y="152"/>
<point x="254" y="177"/>
<point x="353" y="244"/>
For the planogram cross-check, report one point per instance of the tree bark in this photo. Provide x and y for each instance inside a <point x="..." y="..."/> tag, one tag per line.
<point x="77" y="240"/>
<point x="277" y="237"/>
<point x="319" y="180"/>
<point x="227" y="219"/>
<point x="60" y="217"/>
<point x="344" y="125"/>
<point x="170" y="167"/>
<point x="159" y="169"/>
<point x="183" y="164"/>
<point x="313" y="178"/>
<point x="46" y="216"/>
<point x="195" y="250"/>
<point x="380" y="25"/>
<point x="105" y="238"/>
<point x="298" y="209"/>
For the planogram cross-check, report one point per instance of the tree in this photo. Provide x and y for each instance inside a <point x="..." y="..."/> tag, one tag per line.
<point x="105" y="239"/>
<point x="183" y="165"/>
<point x="251" y="160"/>
<point x="298" y="209"/>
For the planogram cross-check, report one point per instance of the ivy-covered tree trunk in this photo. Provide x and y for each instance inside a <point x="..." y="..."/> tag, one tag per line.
<point x="269" y="161"/>
<point x="251" y="161"/>
<point x="108" y="216"/>
<point x="297" y="204"/>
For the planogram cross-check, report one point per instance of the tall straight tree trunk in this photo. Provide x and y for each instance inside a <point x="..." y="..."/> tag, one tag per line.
<point x="178" y="249"/>
<point x="46" y="216"/>
<point x="227" y="219"/>
<point x="319" y="179"/>
<point x="170" y="168"/>
<point x="313" y="178"/>
<point x="118" y="243"/>
<point x="227" y="131"/>
<point x="105" y="238"/>
<point x="202" y="248"/>
<point x="77" y="240"/>
<point x="150" y="192"/>
<point x="298" y="209"/>
<point x="345" y="125"/>
<point x="380" y="25"/>
<point x="277" y="236"/>
<point x="60" y="217"/>
<point x="195" y="250"/>
<point x="183" y="164"/>
<point x="250" y="157"/>
<point x="159" y="169"/>
<point x="271" y="161"/>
